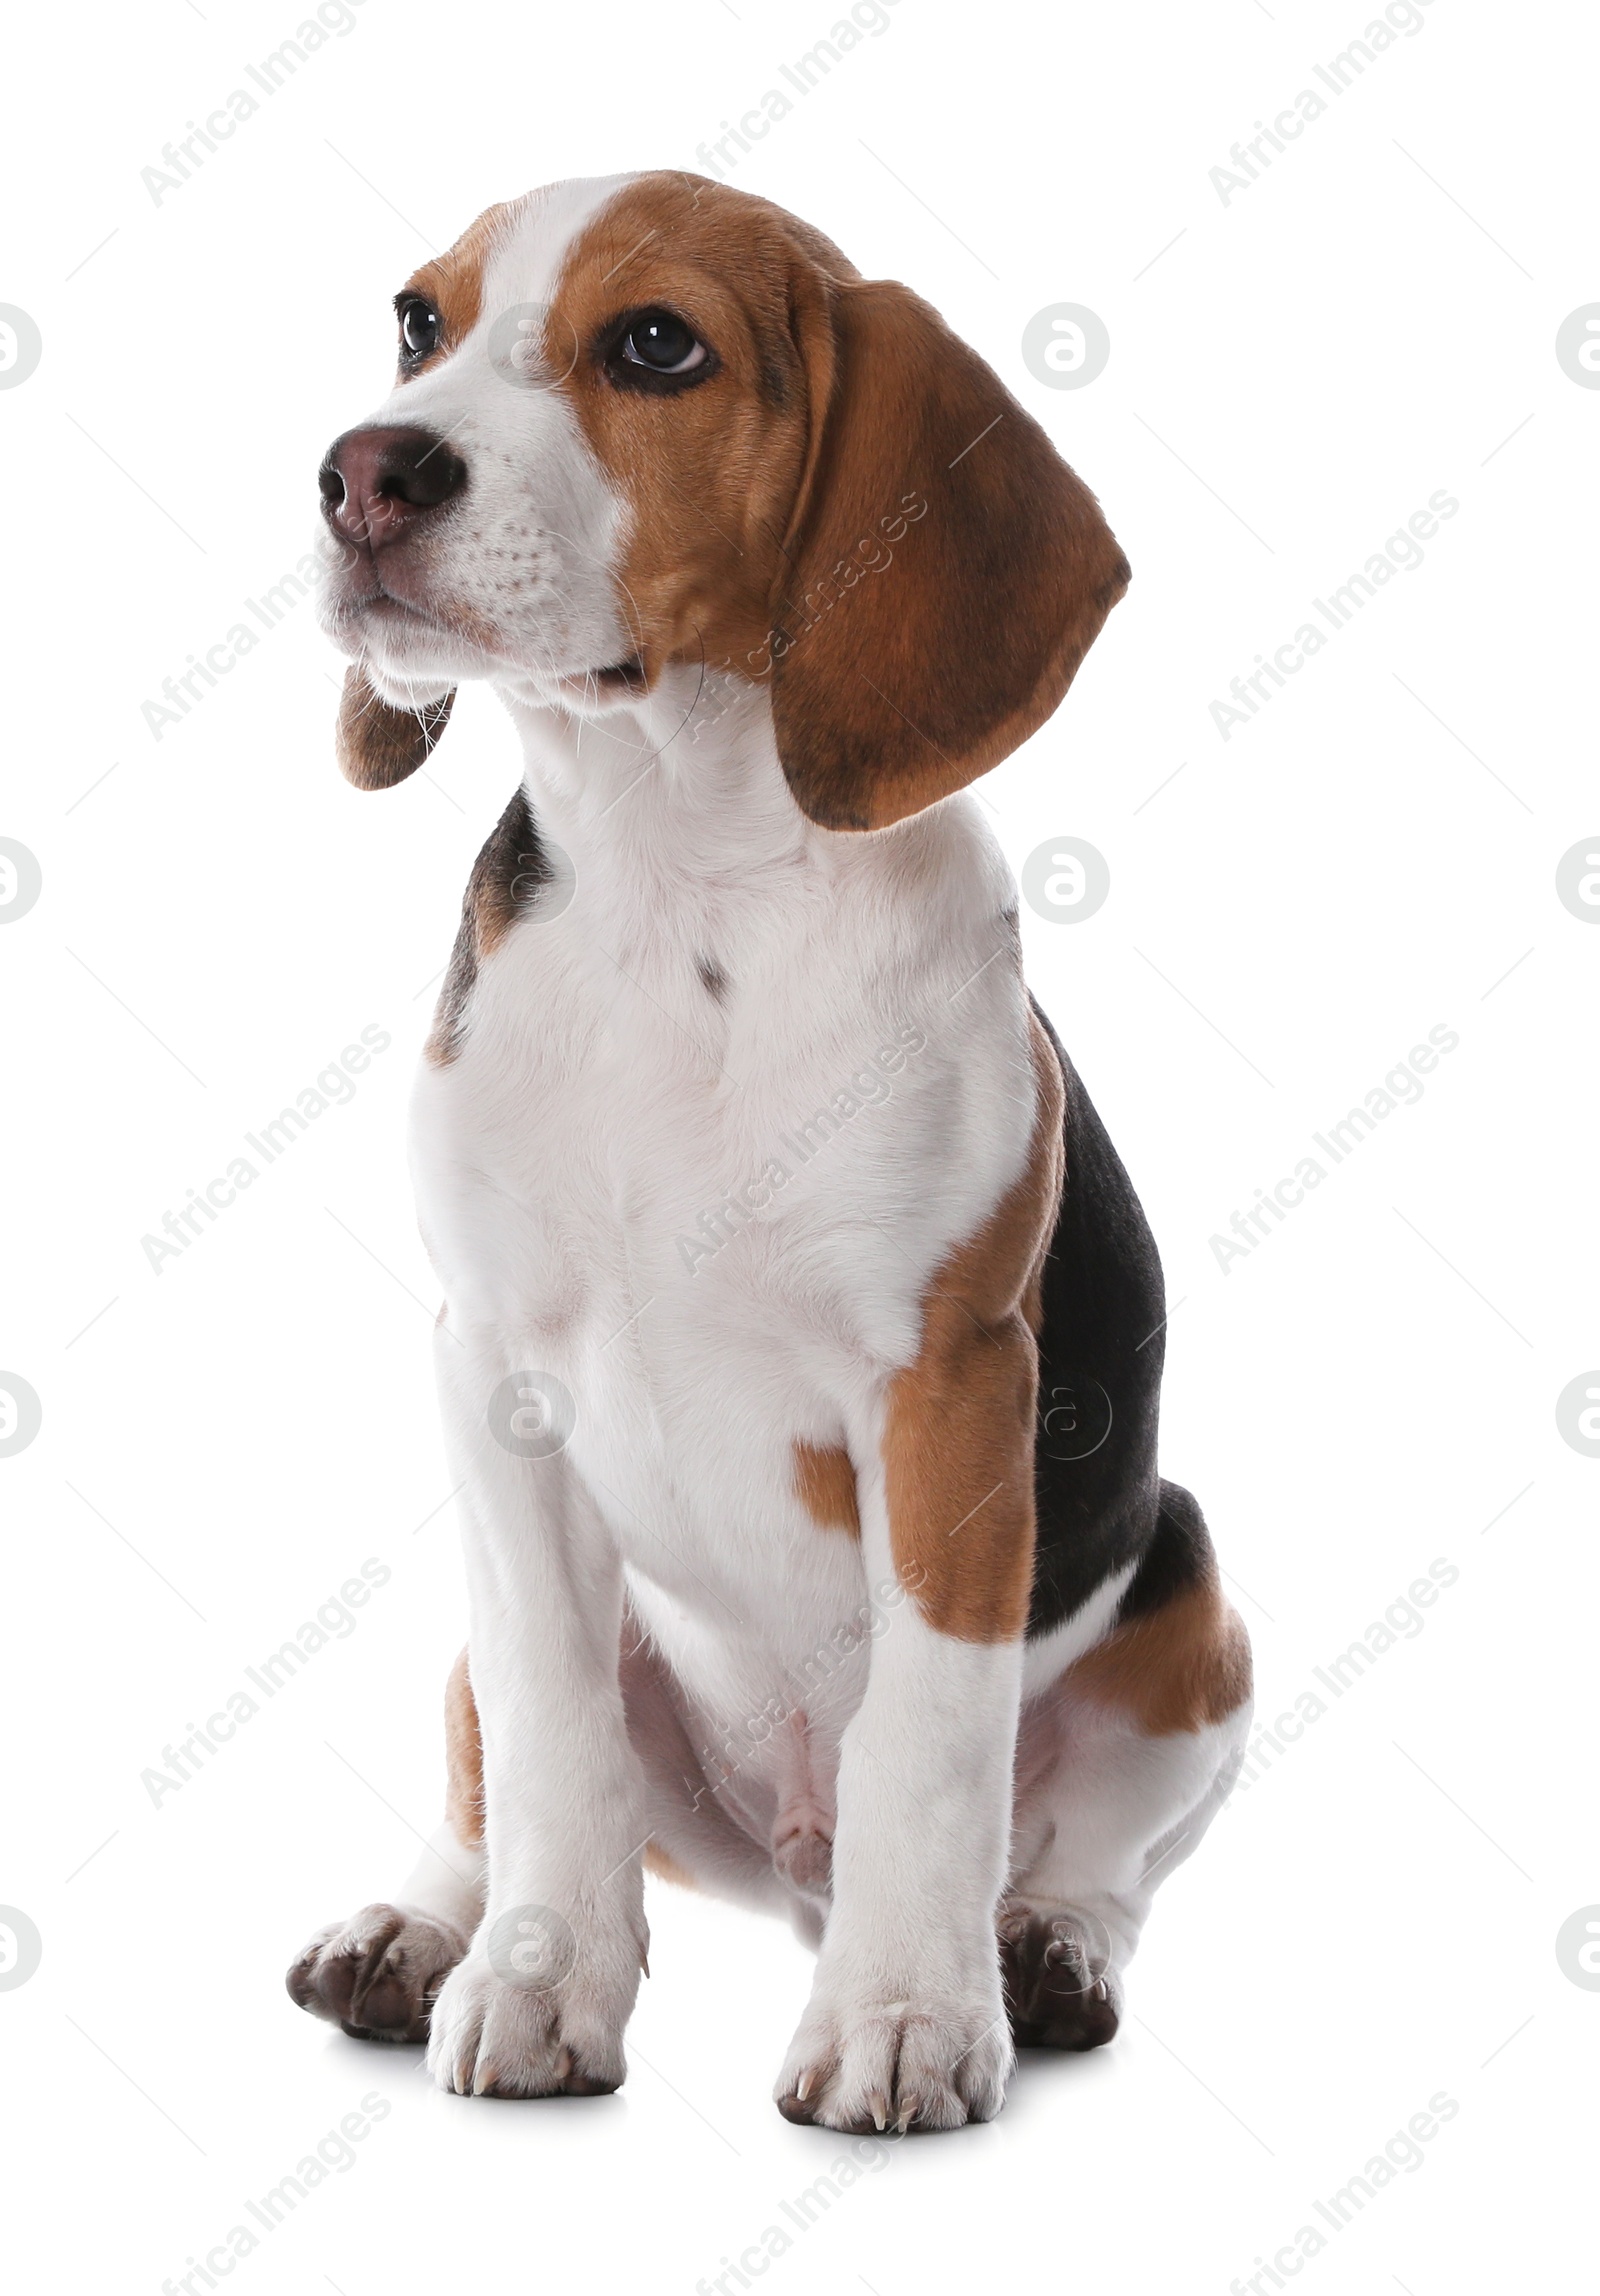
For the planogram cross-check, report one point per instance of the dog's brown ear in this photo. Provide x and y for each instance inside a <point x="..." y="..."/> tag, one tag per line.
<point x="379" y="745"/>
<point x="946" y="572"/>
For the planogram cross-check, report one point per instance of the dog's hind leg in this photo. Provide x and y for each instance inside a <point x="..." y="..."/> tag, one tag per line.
<point x="377" y="1974"/>
<point x="1122" y="1763"/>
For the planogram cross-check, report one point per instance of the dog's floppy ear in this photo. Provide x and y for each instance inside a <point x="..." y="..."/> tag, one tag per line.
<point x="945" y="575"/>
<point x="379" y="745"/>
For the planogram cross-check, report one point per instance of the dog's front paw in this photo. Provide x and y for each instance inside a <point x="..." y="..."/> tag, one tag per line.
<point x="377" y="1974"/>
<point x="506" y="2025"/>
<point x="927" y="2062"/>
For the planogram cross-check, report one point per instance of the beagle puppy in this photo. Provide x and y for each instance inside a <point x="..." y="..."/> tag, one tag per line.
<point x="802" y="1333"/>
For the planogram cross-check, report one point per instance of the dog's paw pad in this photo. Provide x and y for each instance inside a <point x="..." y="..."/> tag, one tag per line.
<point x="378" y="1974"/>
<point x="1061" y="1990"/>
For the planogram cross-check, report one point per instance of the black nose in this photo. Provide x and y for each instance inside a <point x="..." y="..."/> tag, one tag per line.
<point x="376" y="483"/>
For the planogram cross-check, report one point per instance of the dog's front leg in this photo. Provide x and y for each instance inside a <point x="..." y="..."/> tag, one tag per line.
<point x="906" y="2022"/>
<point x="539" y="2005"/>
<point x="906" y="2025"/>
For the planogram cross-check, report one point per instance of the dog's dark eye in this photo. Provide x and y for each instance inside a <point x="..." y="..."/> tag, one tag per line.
<point x="419" y="329"/>
<point x="660" y="340"/>
<point x="655" y="350"/>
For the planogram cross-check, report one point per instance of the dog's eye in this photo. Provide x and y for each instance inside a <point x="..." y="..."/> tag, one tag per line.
<point x="656" y="350"/>
<point x="660" y="340"/>
<point x="419" y="329"/>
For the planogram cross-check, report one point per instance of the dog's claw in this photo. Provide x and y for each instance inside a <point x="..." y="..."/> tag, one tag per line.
<point x="878" y="2106"/>
<point x="802" y="2087"/>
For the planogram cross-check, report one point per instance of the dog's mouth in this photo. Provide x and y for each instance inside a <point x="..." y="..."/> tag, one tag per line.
<point x="352" y="615"/>
<point x="618" y="681"/>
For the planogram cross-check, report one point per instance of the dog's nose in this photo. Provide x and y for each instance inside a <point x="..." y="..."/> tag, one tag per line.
<point x="376" y="483"/>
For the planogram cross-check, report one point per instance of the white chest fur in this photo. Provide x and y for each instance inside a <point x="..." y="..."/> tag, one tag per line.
<point x="712" y="1212"/>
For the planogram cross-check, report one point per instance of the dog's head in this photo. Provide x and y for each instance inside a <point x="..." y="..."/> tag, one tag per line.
<point x="651" y="420"/>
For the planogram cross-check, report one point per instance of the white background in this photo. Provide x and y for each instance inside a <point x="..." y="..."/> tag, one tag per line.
<point x="1292" y="374"/>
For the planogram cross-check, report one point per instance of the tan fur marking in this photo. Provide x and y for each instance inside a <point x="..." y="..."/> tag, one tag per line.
<point x="1179" y="1668"/>
<point x="959" y="1433"/>
<point x="710" y="475"/>
<point x="506" y="877"/>
<point x="463" y="1750"/>
<point x="453" y="282"/>
<point x="662" y="1862"/>
<point x="825" y="1485"/>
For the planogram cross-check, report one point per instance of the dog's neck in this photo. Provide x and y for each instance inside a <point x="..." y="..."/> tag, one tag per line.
<point x="681" y="782"/>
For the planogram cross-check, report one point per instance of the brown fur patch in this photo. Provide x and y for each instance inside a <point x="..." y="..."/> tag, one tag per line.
<point x="959" y="1435"/>
<point x="505" y="877"/>
<point x="1178" y="1668"/>
<point x="711" y="474"/>
<point x="825" y="1485"/>
<point x="453" y="281"/>
<point x="662" y="1862"/>
<point x="378" y="745"/>
<point x="463" y="1752"/>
